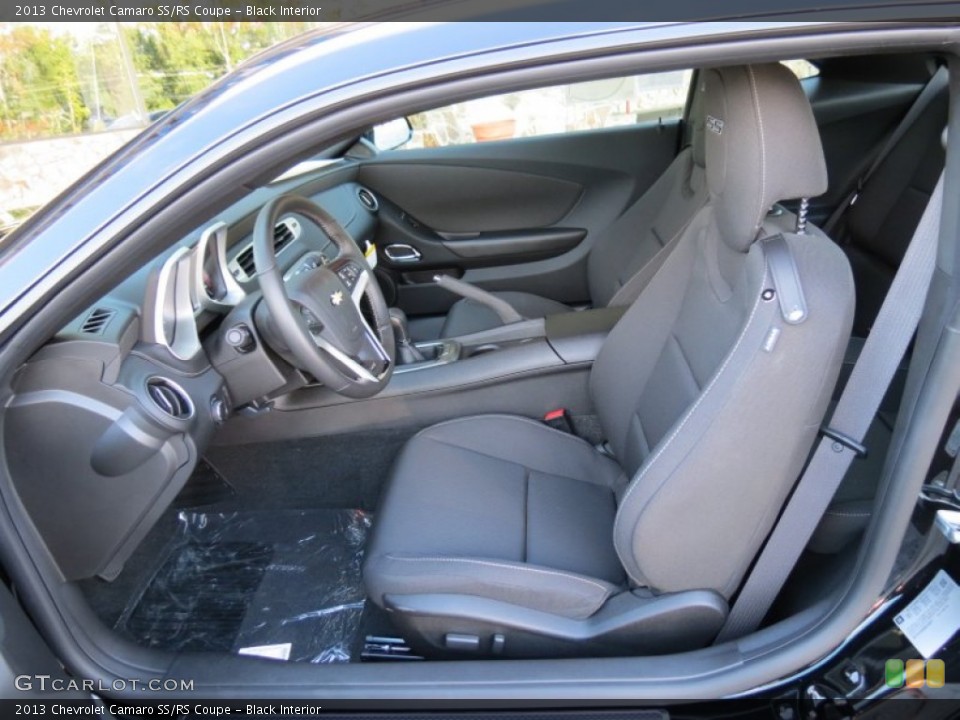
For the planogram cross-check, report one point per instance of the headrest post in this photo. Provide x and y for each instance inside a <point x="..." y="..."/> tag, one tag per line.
<point x="802" y="216"/>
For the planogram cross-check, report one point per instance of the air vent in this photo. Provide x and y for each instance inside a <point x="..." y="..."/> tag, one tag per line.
<point x="97" y="321"/>
<point x="169" y="397"/>
<point x="368" y="199"/>
<point x="246" y="263"/>
<point x="284" y="233"/>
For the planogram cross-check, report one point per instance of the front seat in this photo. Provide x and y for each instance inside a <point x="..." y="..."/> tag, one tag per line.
<point x="498" y="535"/>
<point x="626" y="255"/>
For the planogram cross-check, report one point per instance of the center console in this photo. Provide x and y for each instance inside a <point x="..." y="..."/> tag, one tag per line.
<point x="527" y="368"/>
<point x="573" y="337"/>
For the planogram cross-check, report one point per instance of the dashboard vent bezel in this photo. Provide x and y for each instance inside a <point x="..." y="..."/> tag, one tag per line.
<point x="285" y="233"/>
<point x="168" y="397"/>
<point x="373" y="205"/>
<point x="97" y="321"/>
<point x="244" y="261"/>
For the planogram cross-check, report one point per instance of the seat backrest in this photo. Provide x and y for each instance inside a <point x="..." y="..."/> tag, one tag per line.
<point x="710" y="398"/>
<point x="640" y="239"/>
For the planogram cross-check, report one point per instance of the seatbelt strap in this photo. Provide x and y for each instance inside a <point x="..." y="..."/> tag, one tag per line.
<point x="842" y="440"/>
<point x="934" y="85"/>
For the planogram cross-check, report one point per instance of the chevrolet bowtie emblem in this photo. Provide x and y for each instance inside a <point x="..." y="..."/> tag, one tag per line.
<point x="336" y="298"/>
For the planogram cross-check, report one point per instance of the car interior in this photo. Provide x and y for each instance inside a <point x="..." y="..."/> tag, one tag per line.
<point x="535" y="397"/>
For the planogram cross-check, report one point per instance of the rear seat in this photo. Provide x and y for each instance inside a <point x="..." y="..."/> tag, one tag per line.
<point x="877" y="228"/>
<point x="875" y="233"/>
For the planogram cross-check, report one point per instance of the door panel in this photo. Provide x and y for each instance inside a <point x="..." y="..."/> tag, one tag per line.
<point x="493" y="199"/>
<point x="518" y="214"/>
<point x="407" y="244"/>
<point x="514" y="244"/>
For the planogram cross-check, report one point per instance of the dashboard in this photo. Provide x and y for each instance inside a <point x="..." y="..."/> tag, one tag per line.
<point x="116" y="410"/>
<point x="197" y="282"/>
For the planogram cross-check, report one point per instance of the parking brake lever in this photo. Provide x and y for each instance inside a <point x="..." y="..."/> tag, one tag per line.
<point x="501" y="307"/>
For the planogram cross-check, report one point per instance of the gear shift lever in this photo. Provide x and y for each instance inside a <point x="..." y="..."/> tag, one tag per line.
<point x="407" y="352"/>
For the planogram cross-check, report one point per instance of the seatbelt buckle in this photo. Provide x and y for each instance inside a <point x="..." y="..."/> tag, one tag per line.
<point x="560" y="419"/>
<point x="859" y="449"/>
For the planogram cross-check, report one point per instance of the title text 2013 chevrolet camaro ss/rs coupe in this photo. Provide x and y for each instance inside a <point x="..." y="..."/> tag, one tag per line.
<point x="504" y="361"/>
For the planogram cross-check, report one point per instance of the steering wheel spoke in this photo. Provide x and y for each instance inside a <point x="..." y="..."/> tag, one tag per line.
<point x="332" y="319"/>
<point x="354" y="276"/>
<point x="360" y="289"/>
<point x="359" y="371"/>
<point x="368" y="362"/>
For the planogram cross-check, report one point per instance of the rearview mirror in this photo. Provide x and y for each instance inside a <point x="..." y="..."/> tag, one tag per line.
<point x="392" y="134"/>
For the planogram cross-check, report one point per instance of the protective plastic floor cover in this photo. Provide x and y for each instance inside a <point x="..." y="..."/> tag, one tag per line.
<point x="281" y="584"/>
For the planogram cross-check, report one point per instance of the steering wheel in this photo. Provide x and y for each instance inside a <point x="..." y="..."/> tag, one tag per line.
<point x="332" y="317"/>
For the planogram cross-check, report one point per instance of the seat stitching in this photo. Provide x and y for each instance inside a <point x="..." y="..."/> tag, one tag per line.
<point x="512" y="462"/>
<point x="517" y="418"/>
<point x="508" y="566"/>
<point x="644" y="443"/>
<point x="657" y="237"/>
<point x="763" y="155"/>
<point x="594" y="453"/>
<point x="726" y="363"/>
<point x="840" y="513"/>
<point x="686" y="361"/>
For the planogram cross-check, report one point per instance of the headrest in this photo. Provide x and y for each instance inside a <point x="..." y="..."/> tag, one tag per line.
<point x="762" y="146"/>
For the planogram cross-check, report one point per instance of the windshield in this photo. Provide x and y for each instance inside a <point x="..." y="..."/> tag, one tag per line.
<point x="72" y="93"/>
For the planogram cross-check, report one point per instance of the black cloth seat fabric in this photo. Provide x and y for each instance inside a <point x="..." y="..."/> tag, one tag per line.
<point x="502" y="505"/>
<point x="709" y="397"/>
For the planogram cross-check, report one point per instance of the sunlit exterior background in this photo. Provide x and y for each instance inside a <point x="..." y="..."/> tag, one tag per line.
<point x="72" y="93"/>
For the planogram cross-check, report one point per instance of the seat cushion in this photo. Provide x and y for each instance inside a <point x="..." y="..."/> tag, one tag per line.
<point x="501" y="507"/>
<point x="468" y="316"/>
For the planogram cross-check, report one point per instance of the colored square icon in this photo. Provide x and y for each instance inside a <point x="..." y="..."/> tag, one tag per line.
<point x="914" y="673"/>
<point x="893" y="673"/>
<point x="936" y="673"/>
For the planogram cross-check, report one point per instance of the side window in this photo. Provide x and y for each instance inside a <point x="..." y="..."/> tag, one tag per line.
<point x="560" y="109"/>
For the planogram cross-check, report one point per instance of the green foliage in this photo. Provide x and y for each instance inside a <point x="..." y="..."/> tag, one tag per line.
<point x="39" y="86"/>
<point x="60" y="84"/>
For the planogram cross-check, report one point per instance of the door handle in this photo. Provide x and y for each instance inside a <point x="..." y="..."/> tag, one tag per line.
<point x="402" y="253"/>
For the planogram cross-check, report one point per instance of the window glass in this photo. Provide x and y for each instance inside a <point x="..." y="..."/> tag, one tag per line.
<point x="559" y="109"/>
